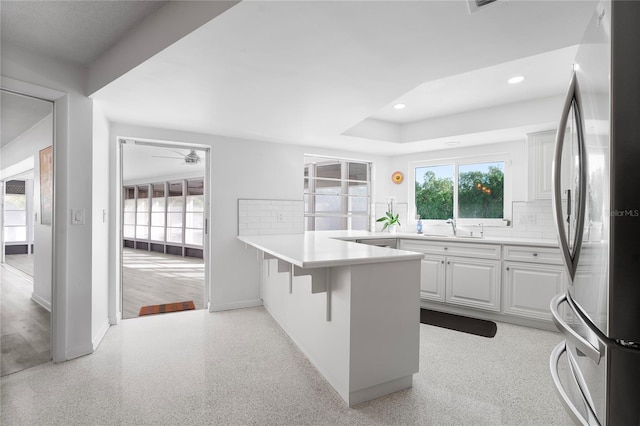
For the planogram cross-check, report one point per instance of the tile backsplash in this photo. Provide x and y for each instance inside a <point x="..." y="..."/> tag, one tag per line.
<point x="270" y="217"/>
<point x="529" y="219"/>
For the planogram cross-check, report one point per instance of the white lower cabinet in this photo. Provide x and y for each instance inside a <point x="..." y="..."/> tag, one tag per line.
<point x="432" y="283"/>
<point x="456" y="279"/>
<point x="532" y="276"/>
<point x="508" y="282"/>
<point x="473" y="282"/>
<point x="529" y="288"/>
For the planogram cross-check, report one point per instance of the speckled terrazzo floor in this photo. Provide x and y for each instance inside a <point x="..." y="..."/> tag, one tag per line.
<point x="238" y="367"/>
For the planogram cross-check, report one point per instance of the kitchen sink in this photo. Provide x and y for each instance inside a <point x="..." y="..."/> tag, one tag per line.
<point x="467" y="236"/>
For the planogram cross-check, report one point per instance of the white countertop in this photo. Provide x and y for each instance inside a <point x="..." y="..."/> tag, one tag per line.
<point x="363" y="235"/>
<point x="320" y="249"/>
<point x="336" y="248"/>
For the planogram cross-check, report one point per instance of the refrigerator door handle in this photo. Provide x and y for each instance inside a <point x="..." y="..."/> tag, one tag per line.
<point x="571" y="256"/>
<point x="575" y="414"/>
<point x="577" y="340"/>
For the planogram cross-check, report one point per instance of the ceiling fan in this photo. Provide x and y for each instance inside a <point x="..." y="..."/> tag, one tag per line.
<point x="191" y="158"/>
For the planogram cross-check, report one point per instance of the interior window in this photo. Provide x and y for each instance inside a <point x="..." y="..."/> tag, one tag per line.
<point x="337" y="194"/>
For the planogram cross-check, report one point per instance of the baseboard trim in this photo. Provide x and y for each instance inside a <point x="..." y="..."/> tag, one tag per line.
<point x="235" y="305"/>
<point x="41" y="301"/>
<point x="95" y="342"/>
<point x="78" y="351"/>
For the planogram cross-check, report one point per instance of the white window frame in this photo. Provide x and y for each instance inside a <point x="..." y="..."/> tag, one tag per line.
<point x="457" y="162"/>
<point x="184" y="226"/>
<point x="345" y="214"/>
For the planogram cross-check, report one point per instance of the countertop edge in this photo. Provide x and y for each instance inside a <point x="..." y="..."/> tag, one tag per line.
<point x="398" y="256"/>
<point x="445" y="238"/>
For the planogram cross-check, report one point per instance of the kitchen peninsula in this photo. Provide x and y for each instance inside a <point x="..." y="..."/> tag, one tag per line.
<point x="353" y="309"/>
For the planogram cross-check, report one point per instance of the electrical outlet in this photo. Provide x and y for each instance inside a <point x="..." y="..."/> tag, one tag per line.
<point x="280" y="217"/>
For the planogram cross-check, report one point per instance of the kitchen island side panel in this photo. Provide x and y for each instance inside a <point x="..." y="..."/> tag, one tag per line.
<point x="370" y="346"/>
<point x="302" y="315"/>
<point x="385" y="323"/>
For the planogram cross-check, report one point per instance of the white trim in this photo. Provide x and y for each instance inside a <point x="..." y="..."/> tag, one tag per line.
<point x="29" y="89"/>
<point x="115" y="293"/>
<point x="59" y="270"/>
<point x="97" y="338"/>
<point x="456" y="162"/>
<point x="252" y="303"/>
<point x="41" y="301"/>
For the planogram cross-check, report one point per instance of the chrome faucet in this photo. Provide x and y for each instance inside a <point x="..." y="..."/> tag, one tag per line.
<point x="452" y="221"/>
<point x="481" y="229"/>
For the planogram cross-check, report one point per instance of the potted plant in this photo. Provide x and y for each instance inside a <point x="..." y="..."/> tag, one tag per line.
<point x="390" y="221"/>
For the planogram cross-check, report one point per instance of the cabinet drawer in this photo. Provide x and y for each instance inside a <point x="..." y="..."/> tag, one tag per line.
<point x="483" y="251"/>
<point x="549" y="255"/>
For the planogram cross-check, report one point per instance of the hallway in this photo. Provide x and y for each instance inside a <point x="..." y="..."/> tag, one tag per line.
<point x="24" y="325"/>
<point x="23" y="262"/>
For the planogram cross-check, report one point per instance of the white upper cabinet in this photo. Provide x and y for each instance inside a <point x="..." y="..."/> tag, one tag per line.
<point x="540" y="150"/>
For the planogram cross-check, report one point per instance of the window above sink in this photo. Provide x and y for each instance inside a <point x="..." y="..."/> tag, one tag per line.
<point x="472" y="190"/>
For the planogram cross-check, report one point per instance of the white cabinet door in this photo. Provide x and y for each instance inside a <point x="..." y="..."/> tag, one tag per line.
<point x="528" y="289"/>
<point x="432" y="278"/>
<point x="541" y="149"/>
<point x="473" y="282"/>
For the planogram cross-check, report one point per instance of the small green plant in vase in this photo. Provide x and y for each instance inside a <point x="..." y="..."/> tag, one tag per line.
<point x="390" y="221"/>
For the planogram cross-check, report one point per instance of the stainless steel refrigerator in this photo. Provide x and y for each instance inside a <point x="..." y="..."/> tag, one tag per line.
<point x="596" y="197"/>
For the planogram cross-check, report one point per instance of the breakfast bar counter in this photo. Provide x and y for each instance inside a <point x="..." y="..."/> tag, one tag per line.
<point x="353" y="309"/>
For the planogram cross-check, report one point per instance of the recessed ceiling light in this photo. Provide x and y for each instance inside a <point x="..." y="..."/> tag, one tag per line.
<point x="399" y="106"/>
<point x="516" y="79"/>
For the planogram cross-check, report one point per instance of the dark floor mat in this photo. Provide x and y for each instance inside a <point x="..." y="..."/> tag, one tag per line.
<point x="469" y="325"/>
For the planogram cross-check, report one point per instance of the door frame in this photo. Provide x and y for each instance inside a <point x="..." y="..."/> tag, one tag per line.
<point x="58" y="341"/>
<point x="115" y="295"/>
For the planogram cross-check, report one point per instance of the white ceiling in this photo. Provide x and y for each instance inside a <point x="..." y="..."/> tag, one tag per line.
<point x="20" y="113"/>
<point x="304" y="72"/>
<point x="307" y="72"/>
<point x="144" y="163"/>
<point x="546" y="74"/>
<point x="77" y="31"/>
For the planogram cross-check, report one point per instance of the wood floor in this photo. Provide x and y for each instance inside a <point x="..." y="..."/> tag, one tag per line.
<point x="150" y="278"/>
<point x="25" y="336"/>
<point x="23" y="262"/>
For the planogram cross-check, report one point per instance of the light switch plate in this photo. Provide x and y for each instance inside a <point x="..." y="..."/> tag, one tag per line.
<point x="77" y="216"/>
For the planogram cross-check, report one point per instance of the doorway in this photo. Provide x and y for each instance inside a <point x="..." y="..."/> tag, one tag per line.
<point x="26" y="173"/>
<point x="164" y="208"/>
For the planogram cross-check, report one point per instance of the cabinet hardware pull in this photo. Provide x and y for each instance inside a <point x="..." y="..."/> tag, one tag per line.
<point x="448" y="263"/>
<point x="507" y="268"/>
<point x="535" y="254"/>
<point x="446" y="248"/>
<point x="442" y="262"/>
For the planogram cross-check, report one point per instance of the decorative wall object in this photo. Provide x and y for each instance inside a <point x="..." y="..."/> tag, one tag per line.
<point x="46" y="185"/>
<point x="397" y="177"/>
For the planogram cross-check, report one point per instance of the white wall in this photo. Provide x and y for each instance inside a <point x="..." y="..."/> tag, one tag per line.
<point x="64" y="82"/>
<point x="22" y="155"/>
<point x="239" y="169"/>
<point x="100" y="276"/>
<point x="516" y="149"/>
